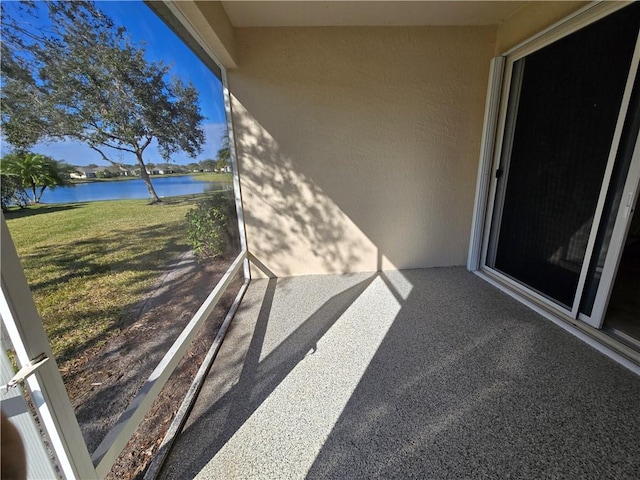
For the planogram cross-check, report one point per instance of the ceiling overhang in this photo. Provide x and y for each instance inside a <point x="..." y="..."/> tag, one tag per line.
<point x="213" y="23"/>
<point x="367" y="13"/>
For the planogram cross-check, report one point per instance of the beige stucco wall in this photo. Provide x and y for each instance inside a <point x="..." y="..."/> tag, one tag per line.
<point x="532" y="18"/>
<point x="358" y="147"/>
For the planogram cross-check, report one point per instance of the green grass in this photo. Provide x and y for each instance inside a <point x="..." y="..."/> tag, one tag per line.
<point x="88" y="264"/>
<point x="214" y="177"/>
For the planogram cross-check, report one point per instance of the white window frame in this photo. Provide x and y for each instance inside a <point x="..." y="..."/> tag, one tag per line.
<point x="46" y="387"/>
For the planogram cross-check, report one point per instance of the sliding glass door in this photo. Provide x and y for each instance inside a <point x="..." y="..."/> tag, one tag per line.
<point x="568" y="131"/>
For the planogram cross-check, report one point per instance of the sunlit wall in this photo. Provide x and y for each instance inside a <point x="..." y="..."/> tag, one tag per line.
<point x="358" y="147"/>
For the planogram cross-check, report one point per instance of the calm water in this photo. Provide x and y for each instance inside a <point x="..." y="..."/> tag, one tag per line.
<point x="165" y="187"/>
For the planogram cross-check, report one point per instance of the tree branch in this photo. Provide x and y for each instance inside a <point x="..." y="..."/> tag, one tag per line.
<point x="88" y="141"/>
<point x="146" y="144"/>
<point x="105" y="133"/>
<point x="116" y="147"/>
<point x="104" y="157"/>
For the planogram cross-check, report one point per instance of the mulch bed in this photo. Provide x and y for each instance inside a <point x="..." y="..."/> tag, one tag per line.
<point x="104" y="380"/>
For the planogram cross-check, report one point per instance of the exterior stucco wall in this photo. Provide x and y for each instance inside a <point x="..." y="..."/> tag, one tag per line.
<point x="531" y="19"/>
<point x="358" y="147"/>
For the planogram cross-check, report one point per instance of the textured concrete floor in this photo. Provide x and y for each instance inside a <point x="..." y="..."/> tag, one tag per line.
<point x="413" y="374"/>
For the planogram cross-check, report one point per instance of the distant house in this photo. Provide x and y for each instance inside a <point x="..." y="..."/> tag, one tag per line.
<point x="82" y="173"/>
<point x="85" y="172"/>
<point x="119" y="171"/>
<point x="166" y="169"/>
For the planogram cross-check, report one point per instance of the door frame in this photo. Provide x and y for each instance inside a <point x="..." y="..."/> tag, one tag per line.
<point x="494" y="134"/>
<point x="628" y="204"/>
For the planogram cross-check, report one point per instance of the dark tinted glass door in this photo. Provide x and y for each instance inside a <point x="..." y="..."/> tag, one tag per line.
<point x="565" y="100"/>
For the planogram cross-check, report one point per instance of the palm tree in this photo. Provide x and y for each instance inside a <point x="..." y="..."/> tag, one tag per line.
<point x="36" y="172"/>
<point x="223" y="157"/>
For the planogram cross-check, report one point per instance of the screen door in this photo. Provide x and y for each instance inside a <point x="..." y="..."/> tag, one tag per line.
<point x="564" y="105"/>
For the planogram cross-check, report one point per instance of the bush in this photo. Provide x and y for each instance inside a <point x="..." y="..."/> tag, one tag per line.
<point x="207" y="231"/>
<point x="11" y="192"/>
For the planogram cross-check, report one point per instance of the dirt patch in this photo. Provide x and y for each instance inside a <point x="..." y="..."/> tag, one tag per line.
<point x="102" y="382"/>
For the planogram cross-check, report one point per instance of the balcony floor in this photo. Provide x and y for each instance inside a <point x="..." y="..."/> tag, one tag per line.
<point x="412" y="374"/>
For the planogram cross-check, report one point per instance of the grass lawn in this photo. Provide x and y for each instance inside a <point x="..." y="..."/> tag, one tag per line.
<point x="89" y="263"/>
<point x="214" y="177"/>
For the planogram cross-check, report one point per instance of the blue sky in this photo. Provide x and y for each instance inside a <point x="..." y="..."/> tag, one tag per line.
<point x="160" y="44"/>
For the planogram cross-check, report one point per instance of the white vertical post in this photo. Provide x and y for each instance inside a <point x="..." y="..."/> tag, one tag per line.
<point x="234" y="165"/>
<point x="29" y="339"/>
<point x="486" y="160"/>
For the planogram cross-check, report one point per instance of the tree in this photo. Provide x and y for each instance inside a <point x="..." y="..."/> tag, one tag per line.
<point x="223" y="157"/>
<point x="207" y="222"/>
<point x="86" y="80"/>
<point x="208" y="165"/>
<point x="65" y="169"/>
<point x="35" y="172"/>
<point x="11" y="191"/>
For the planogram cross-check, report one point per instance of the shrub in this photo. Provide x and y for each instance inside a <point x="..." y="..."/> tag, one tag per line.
<point x="12" y="192"/>
<point x="207" y="231"/>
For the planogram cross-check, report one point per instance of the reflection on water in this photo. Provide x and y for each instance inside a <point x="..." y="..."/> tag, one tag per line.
<point x="129" y="189"/>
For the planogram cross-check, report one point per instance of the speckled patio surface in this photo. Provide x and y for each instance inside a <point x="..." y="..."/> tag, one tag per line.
<point x="412" y="374"/>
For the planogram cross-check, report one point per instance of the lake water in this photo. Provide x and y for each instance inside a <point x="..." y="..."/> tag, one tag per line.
<point x="114" y="190"/>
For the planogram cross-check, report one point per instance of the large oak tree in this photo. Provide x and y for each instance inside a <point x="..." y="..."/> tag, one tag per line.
<point x="83" y="78"/>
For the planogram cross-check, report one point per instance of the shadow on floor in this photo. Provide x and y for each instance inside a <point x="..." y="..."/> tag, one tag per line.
<point x="465" y="383"/>
<point x="259" y="377"/>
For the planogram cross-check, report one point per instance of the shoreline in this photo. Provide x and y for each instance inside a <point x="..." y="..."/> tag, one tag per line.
<point x="209" y="177"/>
<point x="215" y="181"/>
